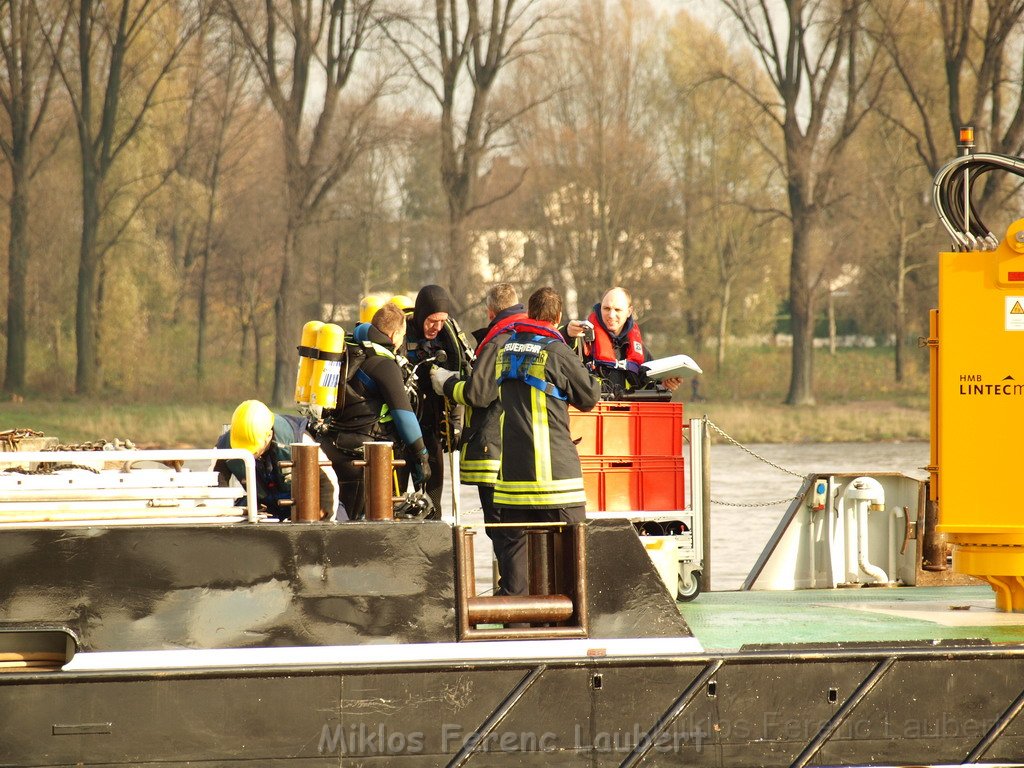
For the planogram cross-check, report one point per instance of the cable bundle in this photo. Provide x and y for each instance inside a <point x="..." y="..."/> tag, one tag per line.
<point x="949" y="198"/>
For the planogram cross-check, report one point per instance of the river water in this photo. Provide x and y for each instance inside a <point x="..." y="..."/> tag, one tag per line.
<point x="738" y="533"/>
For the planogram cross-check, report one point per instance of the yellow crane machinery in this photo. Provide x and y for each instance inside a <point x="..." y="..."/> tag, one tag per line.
<point x="977" y="393"/>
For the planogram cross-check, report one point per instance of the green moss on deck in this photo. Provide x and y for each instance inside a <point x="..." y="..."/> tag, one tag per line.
<point x="729" y="620"/>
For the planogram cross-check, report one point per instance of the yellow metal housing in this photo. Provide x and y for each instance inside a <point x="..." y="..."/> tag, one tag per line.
<point x="978" y="399"/>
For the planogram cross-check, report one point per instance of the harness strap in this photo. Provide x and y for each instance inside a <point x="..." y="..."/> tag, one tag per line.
<point x="520" y="361"/>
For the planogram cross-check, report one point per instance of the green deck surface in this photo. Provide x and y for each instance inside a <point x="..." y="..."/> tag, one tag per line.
<point x="729" y="620"/>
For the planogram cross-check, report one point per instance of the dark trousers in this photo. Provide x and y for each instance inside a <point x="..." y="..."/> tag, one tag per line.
<point x="435" y="485"/>
<point x="515" y="579"/>
<point x="344" y="450"/>
<point x="499" y="537"/>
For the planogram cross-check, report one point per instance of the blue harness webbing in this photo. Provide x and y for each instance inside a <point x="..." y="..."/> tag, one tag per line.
<point x="521" y="351"/>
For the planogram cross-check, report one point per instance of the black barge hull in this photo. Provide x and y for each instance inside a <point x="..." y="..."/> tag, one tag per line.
<point x="338" y="645"/>
<point x="884" y="706"/>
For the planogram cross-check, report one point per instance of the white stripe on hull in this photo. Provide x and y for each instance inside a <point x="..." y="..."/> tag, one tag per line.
<point x="368" y="655"/>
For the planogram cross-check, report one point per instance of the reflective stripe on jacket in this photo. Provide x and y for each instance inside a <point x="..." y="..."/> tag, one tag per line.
<point x="540" y="466"/>
<point x="480" y="455"/>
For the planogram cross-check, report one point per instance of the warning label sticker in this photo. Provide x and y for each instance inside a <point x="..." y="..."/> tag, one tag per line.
<point x="1015" y="313"/>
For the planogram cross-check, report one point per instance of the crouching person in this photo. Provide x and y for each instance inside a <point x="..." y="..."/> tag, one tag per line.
<point x="269" y="437"/>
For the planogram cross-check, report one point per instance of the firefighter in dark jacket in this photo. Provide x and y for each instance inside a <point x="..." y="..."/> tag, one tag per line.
<point x="481" y="438"/>
<point x="431" y="329"/>
<point x="269" y="437"/>
<point x="539" y="377"/>
<point x="617" y="352"/>
<point x="374" y="406"/>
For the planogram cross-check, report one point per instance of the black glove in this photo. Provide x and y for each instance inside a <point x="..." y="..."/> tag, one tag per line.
<point x="421" y="469"/>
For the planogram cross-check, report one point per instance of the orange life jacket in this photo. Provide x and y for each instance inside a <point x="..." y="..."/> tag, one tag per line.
<point x="602" y="350"/>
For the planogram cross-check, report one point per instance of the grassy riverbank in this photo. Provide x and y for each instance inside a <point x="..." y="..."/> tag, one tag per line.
<point x="867" y="421"/>
<point x="746" y="421"/>
<point x="857" y="401"/>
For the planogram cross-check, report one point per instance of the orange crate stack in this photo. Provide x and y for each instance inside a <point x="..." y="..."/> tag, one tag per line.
<point x="629" y="429"/>
<point x="631" y="455"/>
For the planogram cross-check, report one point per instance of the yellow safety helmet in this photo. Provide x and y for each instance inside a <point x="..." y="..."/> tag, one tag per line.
<point x="252" y="426"/>
<point x="369" y="305"/>
<point x="403" y="301"/>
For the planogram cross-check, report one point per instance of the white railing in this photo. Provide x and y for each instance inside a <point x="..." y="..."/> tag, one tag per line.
<point x="88" y="493"/>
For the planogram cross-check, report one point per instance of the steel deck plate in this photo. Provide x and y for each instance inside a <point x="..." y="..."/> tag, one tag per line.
<point x="730" y="620"/>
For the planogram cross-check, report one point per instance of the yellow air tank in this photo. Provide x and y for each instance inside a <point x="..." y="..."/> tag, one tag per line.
<point x="330" y="344"/>
<point x="307" y="356"/>
<point x="370" y="304"/>
<point x="978" y="403"/>
<point x="403" y="302"/>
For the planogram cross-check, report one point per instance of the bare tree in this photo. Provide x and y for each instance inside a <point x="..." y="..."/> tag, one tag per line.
<point x="360" y="251"/>
<point x="458" y="55"/>
<point x="894" y="251"/>
<point x="601" y="206"/>
<point x="221" y="114"/>
<point x="983" y="85"/>
<point x="812" y="53"/>
<point x="119" y="47"/>
<point x="729" y="189"/>
<point x="305" y="54"/>
<point x="28" y="72"/>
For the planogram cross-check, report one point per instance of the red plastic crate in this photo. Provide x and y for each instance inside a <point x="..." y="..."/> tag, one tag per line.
<point x="634" y="483"/>
<point x="629" y="429"/>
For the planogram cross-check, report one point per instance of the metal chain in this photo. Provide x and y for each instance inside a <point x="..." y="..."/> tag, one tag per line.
<point x="49" y="468"/>
<point x="11" y="437"/>
<point x="757" y="456"/>
<point x="97" y="445"/>
<point x="755" y="504"/>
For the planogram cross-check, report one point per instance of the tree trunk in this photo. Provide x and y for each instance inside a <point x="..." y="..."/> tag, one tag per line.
<point x="723" y="321"/>
<point x="801" y="299"/>
<point x="58" y="347"/>
<point x="901" y="312"/>
<point x="284" y="331"/>
<point x="459" y="272"/>
<point x="831" y="322"/>
<point x="243" y="341"/>
<point x="86" y="320"/>
<point x="203" y="299"/>
<point x="204" y="271"/>
<point x="18" y="258"/>
<point x="257" y="358"/>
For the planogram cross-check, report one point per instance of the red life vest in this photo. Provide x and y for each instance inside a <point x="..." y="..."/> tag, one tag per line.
<point x="498" y="327"/>
<point x="539" y="327"/>
<point x="602" y="351"/>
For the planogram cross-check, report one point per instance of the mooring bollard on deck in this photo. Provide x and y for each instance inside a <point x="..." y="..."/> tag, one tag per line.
<point x="378" y="464"/>
<point x="305" y="465"/>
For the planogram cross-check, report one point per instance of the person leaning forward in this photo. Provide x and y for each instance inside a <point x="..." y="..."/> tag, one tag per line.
<point x="539" y="477"/>
<point x="481" y="439"/>
<point x="269" y="437"/>
<point x="617" y="352"/>
<point x="431" y="329"/>
<point x="374" y="406"/>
